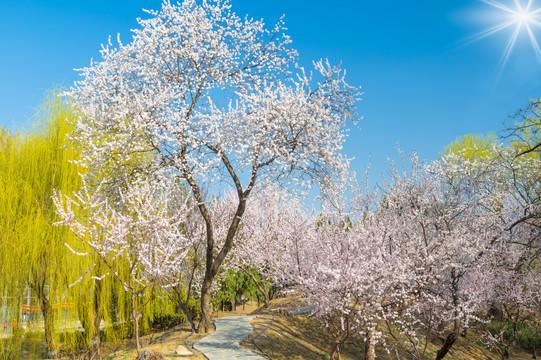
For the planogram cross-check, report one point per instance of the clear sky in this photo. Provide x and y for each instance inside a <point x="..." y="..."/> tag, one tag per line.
<point x="422" y="86"/>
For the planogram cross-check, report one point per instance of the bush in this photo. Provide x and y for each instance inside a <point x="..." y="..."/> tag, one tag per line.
<point x="528" y="336"/>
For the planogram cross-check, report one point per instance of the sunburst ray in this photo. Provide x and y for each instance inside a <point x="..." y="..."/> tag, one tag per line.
<point x="522" y="16"/>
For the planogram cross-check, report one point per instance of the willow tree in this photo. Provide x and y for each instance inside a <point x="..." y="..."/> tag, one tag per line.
<point x="10" y="270"/>
<point x="34" y="255"/>
<point x="472" y="146"/>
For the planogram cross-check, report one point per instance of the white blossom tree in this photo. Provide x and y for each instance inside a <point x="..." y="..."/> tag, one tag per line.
<point x="141" y="229"/>
<point x="273" y="217"/>
<point x="184" y="281"/>
<point x="211" y="95"/>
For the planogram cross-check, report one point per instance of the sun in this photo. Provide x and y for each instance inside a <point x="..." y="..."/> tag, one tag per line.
<point x="521" y="17"/>
<point x="524" y="18"/>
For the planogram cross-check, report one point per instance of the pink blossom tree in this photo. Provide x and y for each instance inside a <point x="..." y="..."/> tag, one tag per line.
<point x="466" y="222"/>
<point x="516" y="295"/>
<point x="211" y="95"/>
<point x="500" y="189"/>
<point x="455" y="213"/>
<point x="391" y="266"/>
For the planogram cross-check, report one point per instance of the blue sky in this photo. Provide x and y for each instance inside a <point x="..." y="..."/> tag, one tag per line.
<point x="422" y="88"/>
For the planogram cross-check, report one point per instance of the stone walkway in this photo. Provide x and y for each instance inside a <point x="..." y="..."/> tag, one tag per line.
<point x="302" y="311"/>
<point x="223" y="344"/>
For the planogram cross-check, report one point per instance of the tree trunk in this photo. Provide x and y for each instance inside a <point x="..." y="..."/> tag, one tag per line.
<point x="184" y="307"/>
<point x="48" y="325"/>
<point x="95" y="341"/>
<point x="48" y="317"/>
<point x="266" y="299"/>
<point x="135" y="320"/>
<point x="334" y="350"/>
<point x="213" y="264"/>
<point x="261" y="287"/>
<point x="370" y="348"/>
<point x="508" y="347"/>
<point x="206" y="306"/>
<point x="452" y="337"/>
<point x="449" y="341"/>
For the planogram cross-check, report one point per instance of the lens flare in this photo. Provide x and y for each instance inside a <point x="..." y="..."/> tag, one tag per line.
<point x="521" y="18"/>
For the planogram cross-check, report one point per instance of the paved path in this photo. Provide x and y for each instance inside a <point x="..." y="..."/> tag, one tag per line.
<point x="223" y="344"/>
<point x="303" y="310"/>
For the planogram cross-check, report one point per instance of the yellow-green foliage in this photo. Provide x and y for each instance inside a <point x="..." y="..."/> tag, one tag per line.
<point x="33" y="252"/>
<point x="34" y="255"/>
<point x="472" y="146"/>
